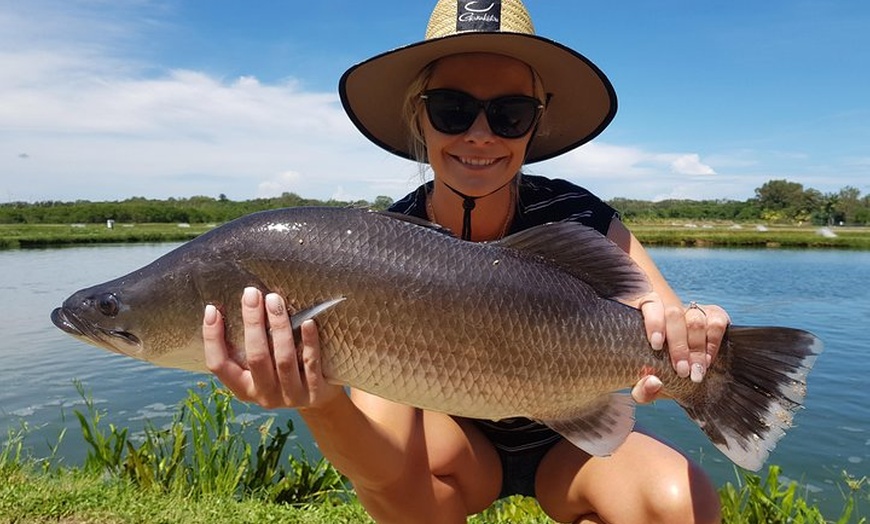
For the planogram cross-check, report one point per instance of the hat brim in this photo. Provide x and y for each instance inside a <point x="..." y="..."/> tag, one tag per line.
<point x="582" y="101"/>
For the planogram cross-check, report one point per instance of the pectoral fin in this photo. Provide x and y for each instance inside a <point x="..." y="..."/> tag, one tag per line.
<point x="299" y="317"/>
<point x="599" y="428"/>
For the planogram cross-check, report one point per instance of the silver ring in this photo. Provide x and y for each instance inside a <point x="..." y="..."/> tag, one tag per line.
<point x="694" y="305"/>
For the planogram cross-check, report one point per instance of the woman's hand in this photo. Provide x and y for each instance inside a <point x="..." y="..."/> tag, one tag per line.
<point x="278" y="374"/>
<point x="693" y="335"/>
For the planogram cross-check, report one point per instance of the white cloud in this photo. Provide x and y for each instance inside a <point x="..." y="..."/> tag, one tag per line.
<point x="611" y="171"/>
<point x="598" y="159"/>
<point x="286" y="182"/>
<point x="690" y="164"/>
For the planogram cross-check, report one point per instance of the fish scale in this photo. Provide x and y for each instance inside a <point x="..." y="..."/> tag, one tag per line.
<point x="530" y="326"/>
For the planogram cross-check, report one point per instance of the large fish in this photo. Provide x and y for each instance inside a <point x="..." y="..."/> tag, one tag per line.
<point x="531" y="325"/>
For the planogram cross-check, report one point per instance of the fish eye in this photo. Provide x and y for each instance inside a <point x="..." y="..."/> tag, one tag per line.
<point x="108" y="304"/>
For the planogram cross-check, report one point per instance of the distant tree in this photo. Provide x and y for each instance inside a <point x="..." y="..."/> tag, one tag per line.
<point x="862" y="216"/>
<point x="382" y="202"/>
<point x="778" y="195"/>
<point x="781" y="200"/>
<point x="848" y="205"/>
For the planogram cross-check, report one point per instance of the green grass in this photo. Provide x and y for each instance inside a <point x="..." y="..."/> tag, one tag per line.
<point x="727" y="235"/>
<point x="76" y="496"/>
<point x="14" y="236"/>
<point x="203" y="468"/>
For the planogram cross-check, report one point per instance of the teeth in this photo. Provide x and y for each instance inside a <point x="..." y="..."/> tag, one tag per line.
<point x="477" y="161"/>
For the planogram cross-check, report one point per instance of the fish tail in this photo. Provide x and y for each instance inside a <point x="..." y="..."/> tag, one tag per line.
<point x="752" y="391"/>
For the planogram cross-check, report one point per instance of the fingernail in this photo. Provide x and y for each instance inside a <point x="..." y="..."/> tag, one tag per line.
<point x="698" y="372"/>
<point x="683" y="368"/>
<point x="273" y="304"/>
<point x="654" y="382"/>
<point x="657" y="341"/>
<point x="709" y="359"/>
<point x="210" y="316"/>
<point x="251" y="296"/>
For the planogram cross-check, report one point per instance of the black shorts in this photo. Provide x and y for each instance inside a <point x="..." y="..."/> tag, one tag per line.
<point x="521" y="445"/>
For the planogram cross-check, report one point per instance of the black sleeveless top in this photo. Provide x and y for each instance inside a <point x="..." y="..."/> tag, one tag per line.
<point x="540" y="200"/>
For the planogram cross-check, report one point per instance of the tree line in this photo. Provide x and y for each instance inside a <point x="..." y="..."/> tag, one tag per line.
<point x="777" y="201"/>
<point x="193" y="210"/>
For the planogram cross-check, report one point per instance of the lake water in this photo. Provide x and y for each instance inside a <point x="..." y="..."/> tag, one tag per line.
<point x="826" y="292"/>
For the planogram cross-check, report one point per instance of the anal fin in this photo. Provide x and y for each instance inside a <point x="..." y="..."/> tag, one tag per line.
<point x="599" y="428"/>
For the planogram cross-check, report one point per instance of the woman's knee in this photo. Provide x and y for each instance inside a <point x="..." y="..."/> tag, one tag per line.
<point x="643" y="481"/>
<point x="683" y="495"/>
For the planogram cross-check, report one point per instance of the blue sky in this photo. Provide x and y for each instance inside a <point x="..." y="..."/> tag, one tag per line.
<point x="108" y="99"/>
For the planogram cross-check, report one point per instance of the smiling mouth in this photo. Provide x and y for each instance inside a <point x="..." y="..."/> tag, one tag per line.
<point x="476" y="162"/>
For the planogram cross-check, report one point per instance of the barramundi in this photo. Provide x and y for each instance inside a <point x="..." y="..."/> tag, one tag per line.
<point x="534" y="325"/>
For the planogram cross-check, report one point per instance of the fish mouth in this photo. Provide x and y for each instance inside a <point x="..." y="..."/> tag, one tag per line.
<point x="73" y="325"/>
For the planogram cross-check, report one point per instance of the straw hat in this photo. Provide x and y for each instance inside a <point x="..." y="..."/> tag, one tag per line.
<point x="582" y="100"/>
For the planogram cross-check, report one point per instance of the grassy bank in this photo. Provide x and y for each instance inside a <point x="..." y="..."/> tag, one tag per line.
<point x="14" y="236"/>
<point x="207" y="467"/>
<point x="751" y="235"/>
<point x="75" y="496"/>
<point x="672" y="234"/>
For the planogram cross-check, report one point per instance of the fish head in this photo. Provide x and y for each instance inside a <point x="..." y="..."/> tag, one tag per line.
<point x="91" y="318"/>
<point x="147" y="315"/>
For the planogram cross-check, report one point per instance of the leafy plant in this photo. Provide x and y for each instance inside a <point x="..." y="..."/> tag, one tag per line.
<point x="512" y="510"/>
<point x="771" y="501"/>
<point x="11" y="453"/>
<point x="205" y="451"/>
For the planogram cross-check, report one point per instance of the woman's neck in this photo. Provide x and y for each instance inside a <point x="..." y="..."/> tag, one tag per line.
<point x="490" y="218"/>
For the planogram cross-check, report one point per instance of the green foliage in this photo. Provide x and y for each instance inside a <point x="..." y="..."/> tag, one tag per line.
<point x="79" y="497"/>
<point x="773" y="502"/>
<point x="205" y="452"/>
<point x="512" y="510"/>
<point x="137" y="210"/>
<point x="714" y="210"/>
<point x="776" y="201"/>
<point x="11" y="454"/>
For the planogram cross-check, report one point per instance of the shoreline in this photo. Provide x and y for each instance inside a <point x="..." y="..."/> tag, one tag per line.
<point x="687" y="234"/>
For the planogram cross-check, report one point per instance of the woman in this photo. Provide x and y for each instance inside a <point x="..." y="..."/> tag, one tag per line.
<point x="481" y="96"/>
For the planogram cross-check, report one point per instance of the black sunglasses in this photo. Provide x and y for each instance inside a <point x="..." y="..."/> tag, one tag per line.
<point x="453" y="112"/>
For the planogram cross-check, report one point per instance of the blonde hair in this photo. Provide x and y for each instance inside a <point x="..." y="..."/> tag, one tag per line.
<point x="412" y="109"/>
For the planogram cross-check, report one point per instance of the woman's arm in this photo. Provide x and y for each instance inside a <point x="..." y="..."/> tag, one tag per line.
<point x="367" y="447"/>
<point x="693" y="334"/>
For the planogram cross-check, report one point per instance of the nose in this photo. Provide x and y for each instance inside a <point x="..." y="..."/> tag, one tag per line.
<point x="479" y="130"/>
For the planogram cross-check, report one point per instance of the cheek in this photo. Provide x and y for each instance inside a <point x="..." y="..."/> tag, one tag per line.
<point x="435" y="143"/>
<point x="518" y="151"/>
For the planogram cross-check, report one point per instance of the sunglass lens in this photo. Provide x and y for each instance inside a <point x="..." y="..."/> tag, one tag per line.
<point x="512" y="117"/>
<point x="451" y="112"/>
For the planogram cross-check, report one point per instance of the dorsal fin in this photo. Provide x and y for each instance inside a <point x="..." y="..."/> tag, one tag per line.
<point x="586" y="254"/>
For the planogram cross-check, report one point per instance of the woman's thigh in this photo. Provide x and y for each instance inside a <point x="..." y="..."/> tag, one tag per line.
<point x="461" y="455"/>
<point x="450" y="468"/>
<point x="644" y="480"/>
